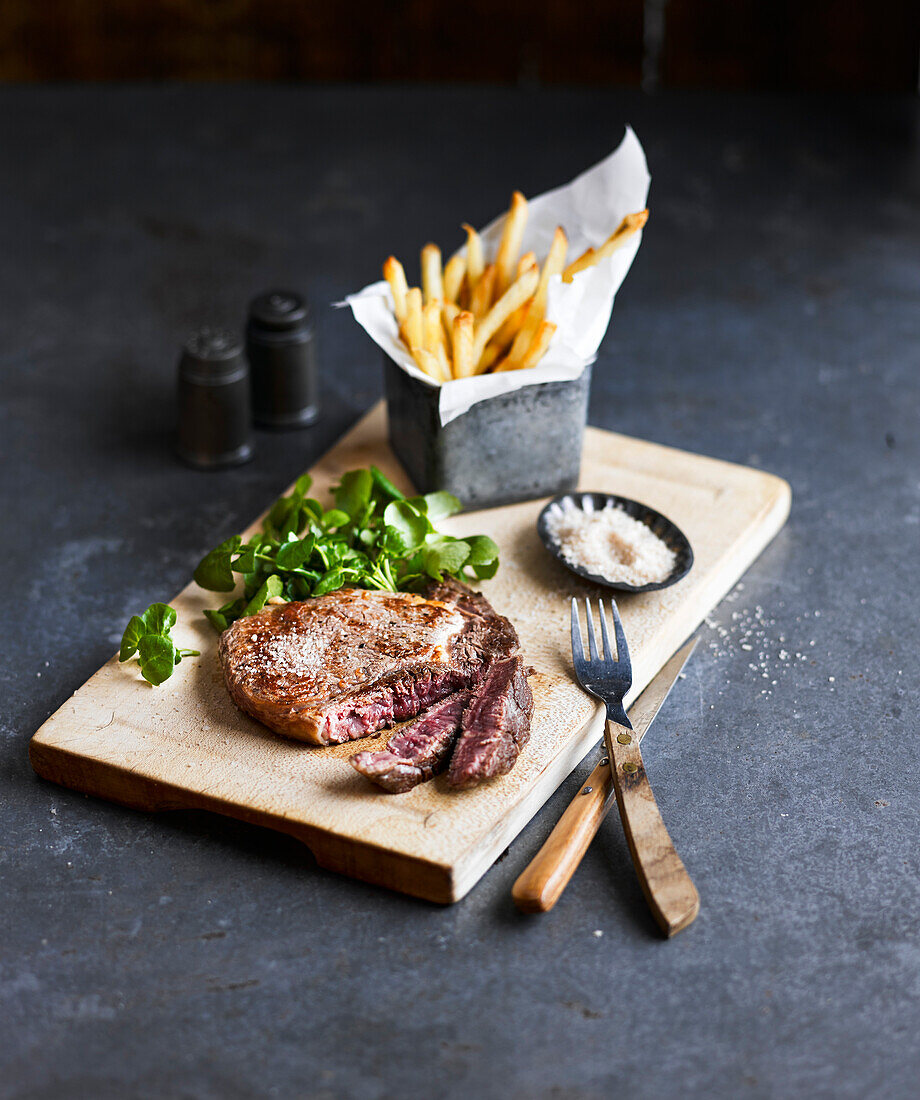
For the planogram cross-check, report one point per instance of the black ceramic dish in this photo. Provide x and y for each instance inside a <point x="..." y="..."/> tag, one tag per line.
<point x="660" y="525"/>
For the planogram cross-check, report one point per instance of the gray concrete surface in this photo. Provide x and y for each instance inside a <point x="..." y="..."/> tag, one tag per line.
<point x="772" y="317"/>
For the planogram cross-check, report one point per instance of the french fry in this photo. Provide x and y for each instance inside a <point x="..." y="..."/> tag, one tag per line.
<point x="552" y="265"/>
<point x="432" y="284"/>
<point x="588" y="258"/>
<point x="449" y="310"/>
<point x="413" y="322"/>
<point x="428" y="362"/>
<point x="516" y="295"/>
<point x="432" y="332"/>
<point x="454" y="270"/>
<point x="510" y="245"/>
<point x="510" y="329"/>
<point x="433" y="336"/>
<point x="538" y="346"/>
<point x="490" y="356"/>
<point x="395" y="275"/>
<point x="631" y="224"/>
<point x="481" y="297"/>
<point x="444" y="363"/>
<point x="463" y="344"/>
<point x="475" y="264"/>
<point x="527" y="261"/>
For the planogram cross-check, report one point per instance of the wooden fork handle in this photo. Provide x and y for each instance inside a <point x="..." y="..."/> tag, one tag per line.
<point x="548" y="873"/>
<point x="668" y="889"/>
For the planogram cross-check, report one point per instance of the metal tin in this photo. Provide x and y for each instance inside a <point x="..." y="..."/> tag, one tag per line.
<point x="282" y="361"/>
<point x="517" y="446"/>
<point x="213" y="398"/>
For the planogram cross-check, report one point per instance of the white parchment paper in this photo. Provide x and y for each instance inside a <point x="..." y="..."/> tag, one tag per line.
<point x="589" y="209"/>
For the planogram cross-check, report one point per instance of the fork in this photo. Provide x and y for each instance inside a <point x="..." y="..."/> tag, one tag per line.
<point x="668" y="889"/>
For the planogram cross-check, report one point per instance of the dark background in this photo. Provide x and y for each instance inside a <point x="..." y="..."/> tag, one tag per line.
<point x="827" y="45"/>
<point x="772" y="318"/>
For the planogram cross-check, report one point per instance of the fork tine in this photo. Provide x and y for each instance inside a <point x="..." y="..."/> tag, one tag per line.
<point x="592" y="640"/>
<point x="608" y="656"/>
<point x="622" y="648"/>
<point x="578" y="645"/>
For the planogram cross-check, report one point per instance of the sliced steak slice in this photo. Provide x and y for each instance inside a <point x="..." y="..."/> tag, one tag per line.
<point x="419" y="750"/>
<point x="337" y="667"/>
<point x="495" y="726"/>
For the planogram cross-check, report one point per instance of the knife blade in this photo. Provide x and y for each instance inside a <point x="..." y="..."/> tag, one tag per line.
<point x="644" y="710"/>
<point x="541" y="884"/>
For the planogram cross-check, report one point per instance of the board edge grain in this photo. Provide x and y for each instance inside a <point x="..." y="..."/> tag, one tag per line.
<point x="405" y="874"/>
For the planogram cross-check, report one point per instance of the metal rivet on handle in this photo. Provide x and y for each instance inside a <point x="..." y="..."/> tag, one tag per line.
<point x="587" y="790"/>
<point x="624" y="738"/>
<point x="630" y="767"/>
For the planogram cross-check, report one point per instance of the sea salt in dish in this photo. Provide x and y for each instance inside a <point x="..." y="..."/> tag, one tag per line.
<point x="615" y="541"/>
<point x="611" y="543"/>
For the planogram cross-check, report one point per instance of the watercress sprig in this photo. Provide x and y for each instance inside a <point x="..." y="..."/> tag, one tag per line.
<point x="148" y="635"/>
<point x="373" y="537"/>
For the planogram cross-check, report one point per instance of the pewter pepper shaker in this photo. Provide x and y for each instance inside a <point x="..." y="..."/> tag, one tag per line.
<point x="214" y="406"/>
<point x="282" y="361"/>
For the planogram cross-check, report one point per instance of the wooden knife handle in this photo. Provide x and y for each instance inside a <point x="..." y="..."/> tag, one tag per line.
<point x="668" y="889"/>
<point x="547" y="875"/>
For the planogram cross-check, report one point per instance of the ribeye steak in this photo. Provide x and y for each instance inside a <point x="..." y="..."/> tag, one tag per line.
<point x="419" y="750"/>
<point x="337" y="667"/>
<point x="495" y="726"/>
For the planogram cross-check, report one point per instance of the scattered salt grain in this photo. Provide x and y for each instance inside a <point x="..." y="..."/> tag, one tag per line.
<point x="612" y="544"/>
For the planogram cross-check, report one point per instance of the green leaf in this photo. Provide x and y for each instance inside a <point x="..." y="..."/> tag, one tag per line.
<point x="302" y="484"/>
<point x="246" y="562"/>
<point x="335" y="518"/>
<point x="159" y="618"/>
<point x="407" y="522"/>
<point x="216" y="619"/>
<point x="386" y="487"/>
<point x="272" y="587"/>
<point x="484" y="572"/>
<point x="445" y="557"/>
<point x="292" y="555"/>
<point x="331" y="581"/>
<point x="227" y="614"/>
<point x="214" y="572"/>
<point x="483" y="550"/>
<point x="301" y="588"/>
<point x="292" y="525"/>
<point x="354" y="491"/>
<point x="157" y="657"/>
<point x="134" y="631"/>
<point x="277" y="514"/>
<point x="440" y="505"/>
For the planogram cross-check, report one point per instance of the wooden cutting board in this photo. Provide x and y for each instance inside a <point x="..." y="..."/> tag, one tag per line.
<point x="185" y="746"/>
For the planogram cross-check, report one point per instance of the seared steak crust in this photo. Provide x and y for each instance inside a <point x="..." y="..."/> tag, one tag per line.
<point x="419" y="750"/>
<point x="337" y="667"/>
<point x="495" y="726"/>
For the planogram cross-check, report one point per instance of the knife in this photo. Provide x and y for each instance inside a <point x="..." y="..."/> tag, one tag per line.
<point x="548" y="873"/>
